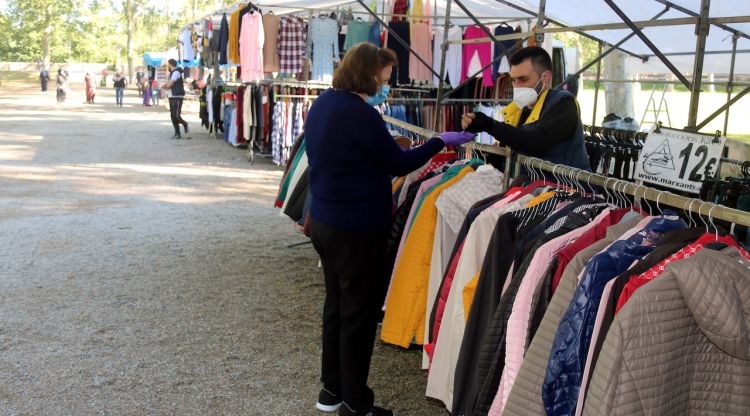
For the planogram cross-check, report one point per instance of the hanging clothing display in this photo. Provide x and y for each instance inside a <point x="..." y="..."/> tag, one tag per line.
<point x="291" y="44"/>
<point x="421" y="41"/>
<point x="477" y="56"/>
<point x="251" y="47"/>
<point x="356" y="31"/>
<point x="185" y="42"/>
<point x="401" y="72"/>
<point x="453" y="57"/>
<point x="323" y="47"/>
<point x="271" y="23"/>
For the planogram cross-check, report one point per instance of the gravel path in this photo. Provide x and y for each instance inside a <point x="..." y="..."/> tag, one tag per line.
<point x="146" y="276"/>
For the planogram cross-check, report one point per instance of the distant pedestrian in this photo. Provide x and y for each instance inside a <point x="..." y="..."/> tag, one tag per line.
<point x="155" y="93"/>
<point x="44" y="78"/>
<point x="176" y="84"/>
<point x="105" y="73"/>
<point x="139" y="76"/>
<point x="90" y="88"/>
<point x="62" y="85"/>
<point x="119" y="82"/>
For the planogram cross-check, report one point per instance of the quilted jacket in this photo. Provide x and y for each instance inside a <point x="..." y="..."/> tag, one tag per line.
<point x="681" y="345"/>
<point x="570" y="347"/>
<point x="526" y="395"/>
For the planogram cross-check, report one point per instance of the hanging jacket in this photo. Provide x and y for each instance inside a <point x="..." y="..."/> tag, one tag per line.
<point x="570" y="347"/>
<point x="681" y="345"/>
<point x="571" y="152"/>
<point x="526" y="395"/>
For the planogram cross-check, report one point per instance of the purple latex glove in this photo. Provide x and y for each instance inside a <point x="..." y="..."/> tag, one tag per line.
<point x="457" y="137"/>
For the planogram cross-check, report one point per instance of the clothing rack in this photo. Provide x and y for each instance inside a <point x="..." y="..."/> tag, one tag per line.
<point x="692" y="205"/>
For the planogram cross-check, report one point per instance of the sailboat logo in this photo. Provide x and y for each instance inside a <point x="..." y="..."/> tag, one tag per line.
<point x="660" y="159"/>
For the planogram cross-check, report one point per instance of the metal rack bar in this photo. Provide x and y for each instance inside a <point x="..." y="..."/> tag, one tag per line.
<point x="662" y="197"/>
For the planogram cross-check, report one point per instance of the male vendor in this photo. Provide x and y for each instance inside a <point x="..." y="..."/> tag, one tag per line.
<point x="540" y="122"/>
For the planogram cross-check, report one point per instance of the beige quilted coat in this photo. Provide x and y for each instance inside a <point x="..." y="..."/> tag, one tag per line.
<point x="681" y="345"/>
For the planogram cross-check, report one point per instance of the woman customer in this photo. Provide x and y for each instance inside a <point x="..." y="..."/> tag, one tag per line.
<point x="119" y="82"/>
<point x="62" y="85"/>
<point x="352" y="157"/>
<point x="176" y="84"/>
<point x="90" y="88"/>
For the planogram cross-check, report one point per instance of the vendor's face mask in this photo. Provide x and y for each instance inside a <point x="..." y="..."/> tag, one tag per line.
<point x="527" y="97"/>
<point x="380" y="96"/>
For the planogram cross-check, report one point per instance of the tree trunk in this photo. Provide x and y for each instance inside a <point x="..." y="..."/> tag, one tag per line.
<point x="46" y="35"/>
<point x="619" y="95"/>
<point x="130" y="50"/>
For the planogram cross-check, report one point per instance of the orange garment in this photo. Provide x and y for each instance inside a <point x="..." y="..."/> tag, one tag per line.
<point x="468" y="294"/>
<point x="539" y="199"/>
<point x="471" y="287"/>
<point x="397" y="184"/>
<point x="233" y="48"/>
<point x="407" y="300"/>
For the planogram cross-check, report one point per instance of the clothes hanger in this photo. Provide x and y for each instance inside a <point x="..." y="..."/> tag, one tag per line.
<point x="711" y="220"/>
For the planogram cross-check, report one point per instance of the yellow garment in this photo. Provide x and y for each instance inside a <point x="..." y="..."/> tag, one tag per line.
<point x="397" y="184"/>
<point x="539" y="199"/>
<point x="233" y="49"/>
<point x="468" y="294"/>
<point x="407" y="300"/>
<point x="512" y="112"/>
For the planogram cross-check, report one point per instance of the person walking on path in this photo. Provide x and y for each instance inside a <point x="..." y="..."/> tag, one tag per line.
<point x="90" y="88"/>
<point x="62" y="85"/>
<point x="44" y="78"/>
<point x="119" y="82"/>
<point x="352" y="157"/>
<point x="176" y="84"/>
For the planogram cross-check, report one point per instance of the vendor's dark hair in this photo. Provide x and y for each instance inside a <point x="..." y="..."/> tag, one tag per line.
<point x="361" y="64"/>
<point x="172" y="62"/>
<point x="540" y="59"/>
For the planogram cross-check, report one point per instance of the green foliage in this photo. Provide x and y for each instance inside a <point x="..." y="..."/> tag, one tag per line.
<point x="588" y="49"/>
<point x="93" y="30"/>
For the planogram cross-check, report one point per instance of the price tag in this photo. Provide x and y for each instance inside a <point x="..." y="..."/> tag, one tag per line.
<point x="678" y="159"/>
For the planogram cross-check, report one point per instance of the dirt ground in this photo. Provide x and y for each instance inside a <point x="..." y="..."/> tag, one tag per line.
<point x="146" y="276"/>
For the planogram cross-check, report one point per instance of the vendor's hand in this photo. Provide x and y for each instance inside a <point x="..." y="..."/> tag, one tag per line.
<point x="467" y="119"/>
<point x="456" y="137"/>
<point x="476" y="122"/>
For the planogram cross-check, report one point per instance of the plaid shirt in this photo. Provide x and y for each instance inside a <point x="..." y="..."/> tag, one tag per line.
<point x="291" y="44"/>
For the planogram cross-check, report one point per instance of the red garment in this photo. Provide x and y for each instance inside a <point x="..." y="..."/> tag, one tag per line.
<point x="637" y="281"/>
<point x="239" y="120"/>
<point x="442" y="300"/>
<point x="437" y="161"/>
<point x="400" y="7"/>
<point x="484" y="51"/>
<point x="599" y="231"/>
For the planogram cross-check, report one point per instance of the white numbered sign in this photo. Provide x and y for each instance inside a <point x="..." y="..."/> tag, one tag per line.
<point x="678" y="159"/>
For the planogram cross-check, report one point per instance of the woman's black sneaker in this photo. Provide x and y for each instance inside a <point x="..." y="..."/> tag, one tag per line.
<point x="328" y="402"/>
<point x="373" y="411"/>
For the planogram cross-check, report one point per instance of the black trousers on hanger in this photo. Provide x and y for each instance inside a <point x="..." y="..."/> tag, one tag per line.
<point x="356" y="282"/>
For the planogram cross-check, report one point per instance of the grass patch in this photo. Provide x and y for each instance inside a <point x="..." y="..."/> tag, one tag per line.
<point x="18" y="76"/>
<point x="745" y="138"/>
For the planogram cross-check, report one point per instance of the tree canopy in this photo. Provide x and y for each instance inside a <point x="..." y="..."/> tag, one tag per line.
<point x="93" y="31"/>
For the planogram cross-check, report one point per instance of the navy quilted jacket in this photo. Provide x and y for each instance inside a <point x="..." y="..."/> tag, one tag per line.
<point x="570" y="346"/>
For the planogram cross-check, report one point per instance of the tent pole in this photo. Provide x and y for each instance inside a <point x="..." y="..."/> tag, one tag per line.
<point x="607" y="52"/>
<point x="441" y="77"/>
<point x="694" y="14"/>
<point x="722" y="108"/>
<point x="539" y="36"/>
<point x="596" y="84"/>
<point x="701" y="31"/>
<point x="555" y="22"/>
<point x="397" y="37"/>
<point x="735" y="37"/>
<point x="648" y="42"/>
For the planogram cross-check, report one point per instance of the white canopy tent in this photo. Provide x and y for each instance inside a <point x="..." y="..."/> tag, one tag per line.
<point x="677" y="44"/>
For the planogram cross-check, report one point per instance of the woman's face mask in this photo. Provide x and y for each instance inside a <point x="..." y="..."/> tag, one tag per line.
<point x="380" y="96"/>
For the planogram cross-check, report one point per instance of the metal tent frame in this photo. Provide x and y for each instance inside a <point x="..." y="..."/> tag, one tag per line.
<point x="701" y="20"/>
